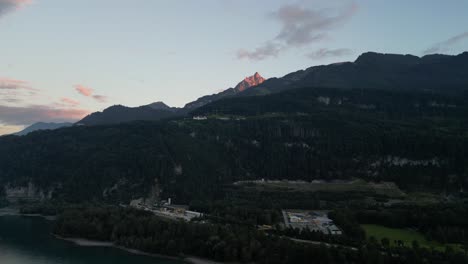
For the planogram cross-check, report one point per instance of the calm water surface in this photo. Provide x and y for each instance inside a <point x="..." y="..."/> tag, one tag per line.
<point x="27" y="240"/>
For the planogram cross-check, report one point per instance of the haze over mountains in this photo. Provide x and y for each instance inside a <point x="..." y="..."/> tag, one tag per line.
<point x="42" y="126"/>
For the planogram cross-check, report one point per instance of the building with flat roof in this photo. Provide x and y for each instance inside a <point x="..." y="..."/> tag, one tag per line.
<point x="312" y="220"/>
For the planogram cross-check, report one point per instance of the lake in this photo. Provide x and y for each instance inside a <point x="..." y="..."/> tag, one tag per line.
<point x="27" y="240"/>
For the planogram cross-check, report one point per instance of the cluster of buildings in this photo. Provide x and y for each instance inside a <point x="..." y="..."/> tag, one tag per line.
<point x="312" y="220"/>
<point x="166" y="209"/>
<point x="298" y="219"/>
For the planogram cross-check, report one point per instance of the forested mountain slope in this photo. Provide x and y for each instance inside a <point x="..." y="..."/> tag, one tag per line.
<point x="415" y="139"/>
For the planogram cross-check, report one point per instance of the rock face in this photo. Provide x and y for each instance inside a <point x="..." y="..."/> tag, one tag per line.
<point x="250" y="81"/>
<point x="245" y="84"/>
<point x="26" y="193"/>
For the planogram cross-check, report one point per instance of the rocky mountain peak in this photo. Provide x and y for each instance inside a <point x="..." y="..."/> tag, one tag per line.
<point x="250" y="81"/>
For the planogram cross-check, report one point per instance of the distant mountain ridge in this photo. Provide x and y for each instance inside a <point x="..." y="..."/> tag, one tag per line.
<point x="42" y="126"/>
<point x="162" y="106"/>
<point x="371" y="70"/>
<point x="159" y="110"/>
<point x="120" y="114"/>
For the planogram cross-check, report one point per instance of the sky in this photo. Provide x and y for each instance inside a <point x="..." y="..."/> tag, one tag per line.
<point x="61" y="60"/>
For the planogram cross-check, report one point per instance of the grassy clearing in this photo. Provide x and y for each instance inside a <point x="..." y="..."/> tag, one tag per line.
<point x="388" y="189"/>
<point x="405" y="235"/>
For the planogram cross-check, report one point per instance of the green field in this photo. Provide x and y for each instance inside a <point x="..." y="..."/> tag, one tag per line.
<point x="405" y="235"/>
<point x="388" y="189"/>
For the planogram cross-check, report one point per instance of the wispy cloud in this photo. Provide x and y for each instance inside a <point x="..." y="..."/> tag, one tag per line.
<point x="100" y="98"/>
<point x="444" y="46"/>
<point x="270" y="49"/>
<point x="83" y="90"/>
<point x="17" y="116"/>
<point x="89" y="92"/>
<point x="328" y="53"/>
<point x="13" y="84"/>
<point x="11" y="5"/>
<point x="300" y="27"/>
<point x="10" y="100"/>
<point x="16" y="109"/>
<point x="69" y="102"/>
<point x="13" y="91"/>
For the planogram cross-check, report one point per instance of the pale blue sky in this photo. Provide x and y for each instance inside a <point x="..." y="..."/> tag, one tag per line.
<point x="136" y="52"/>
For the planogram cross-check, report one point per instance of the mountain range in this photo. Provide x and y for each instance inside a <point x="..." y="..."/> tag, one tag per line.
<point x="438" y="73"/>
<point x="443" y="73"/>
<point x="159" y="110"/>
<point x="396" y="118"/>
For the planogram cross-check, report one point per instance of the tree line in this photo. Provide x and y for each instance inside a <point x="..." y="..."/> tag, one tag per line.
<point x="222" y="242"/>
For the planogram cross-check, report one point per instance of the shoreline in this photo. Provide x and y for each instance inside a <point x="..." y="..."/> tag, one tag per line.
<point x="9" y="211"/>
<point x="94" y="243"/>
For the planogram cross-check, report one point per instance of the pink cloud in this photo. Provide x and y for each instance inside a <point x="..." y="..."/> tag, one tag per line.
<point x="83" y="90"/>
<point x="13" y="84"/>
<point x="89" y="92"/>
<point x="13" y="91"/>
<point x="69" y="101"/>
